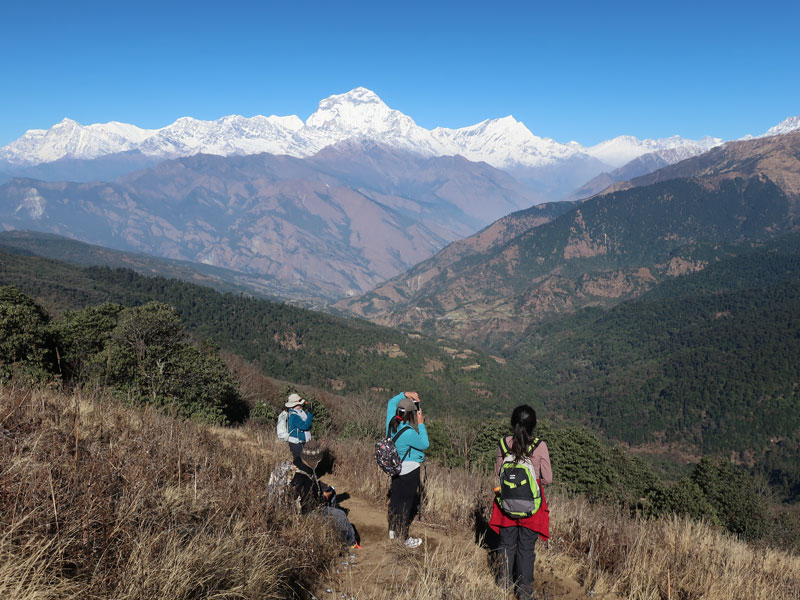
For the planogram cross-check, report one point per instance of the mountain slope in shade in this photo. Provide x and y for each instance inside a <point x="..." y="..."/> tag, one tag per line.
<point x="102" y="168"/>
<point x="80" y="253"/>
<point x="604" y="250"/>
<point x="776" y="157"/>
<point x="641" y="165"/>
<point x="337" y="223"/>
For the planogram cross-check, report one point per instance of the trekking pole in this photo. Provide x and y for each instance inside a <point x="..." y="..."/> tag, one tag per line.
<point x="669" y="586"/>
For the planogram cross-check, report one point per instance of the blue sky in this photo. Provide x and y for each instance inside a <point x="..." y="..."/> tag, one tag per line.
<point x="584" y="71"/>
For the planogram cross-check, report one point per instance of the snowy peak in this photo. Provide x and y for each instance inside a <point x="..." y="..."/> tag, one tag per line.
<point x="357" y="110"/>
<point x="504" y="143"/>
<point x="361" y="113"/>
<point x="624" y="148"/>
<point x="785" y="126"/>
<point x="70" y="139"/>
<point x="358" y="114"/>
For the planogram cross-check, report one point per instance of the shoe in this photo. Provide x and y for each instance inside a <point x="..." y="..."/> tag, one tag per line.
<point x="412" y="542"/>
<point x="391" y="534"/>
<point x="356" y="546"/>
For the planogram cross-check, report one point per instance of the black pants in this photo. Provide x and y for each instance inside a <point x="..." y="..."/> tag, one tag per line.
<point x="517" y="553"/>
<point x="297" y="458"/>
<point x="403" y="502"/>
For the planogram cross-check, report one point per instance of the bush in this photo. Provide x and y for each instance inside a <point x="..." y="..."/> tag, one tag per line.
<point x="26" y="344"/>
<point x="83" y="334"/>
<point x="263" y="414"/>
<point x="683" y="497"/>
<point x="733" y="493"/>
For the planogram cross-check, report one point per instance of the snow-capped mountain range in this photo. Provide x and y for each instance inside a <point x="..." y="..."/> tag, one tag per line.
<point x="504" y="143"/>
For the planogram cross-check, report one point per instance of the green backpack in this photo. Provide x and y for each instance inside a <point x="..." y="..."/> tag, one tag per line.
<point x="519" y="494"/>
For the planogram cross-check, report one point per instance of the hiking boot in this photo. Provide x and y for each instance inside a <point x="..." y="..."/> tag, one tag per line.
<point x="412" y="542"/>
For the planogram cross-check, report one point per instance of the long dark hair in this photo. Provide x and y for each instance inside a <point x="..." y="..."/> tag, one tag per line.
<point x="523" y="422"/>
<point x="408" y="416"/>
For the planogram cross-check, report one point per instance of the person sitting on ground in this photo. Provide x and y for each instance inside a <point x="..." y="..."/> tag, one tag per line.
<point x="404" y="419"/>
<point x="314" y="495"/>
<point x="299" y="425"/>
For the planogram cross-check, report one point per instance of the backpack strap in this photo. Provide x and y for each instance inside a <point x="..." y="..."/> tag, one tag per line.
<point x="504" y="448"/>
<point x="534" y="444"/>
<point x="397" y="435"/>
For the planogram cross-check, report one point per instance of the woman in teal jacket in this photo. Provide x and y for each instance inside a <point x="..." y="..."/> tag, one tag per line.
<point x="404" y="417"/>
<point x="299" y="424"/>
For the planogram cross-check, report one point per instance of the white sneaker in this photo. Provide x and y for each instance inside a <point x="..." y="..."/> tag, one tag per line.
<point x="391" y="534"/>
<point x="412" y="542"/>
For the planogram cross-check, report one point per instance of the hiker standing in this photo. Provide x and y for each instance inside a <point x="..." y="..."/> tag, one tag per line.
<point x="299" y="425"/>
<point x="518" y="533"/>
<point x="404" y="418"/>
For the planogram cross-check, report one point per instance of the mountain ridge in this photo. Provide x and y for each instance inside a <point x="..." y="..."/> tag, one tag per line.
<point x="504" y="142"/>
<point x="603" y="250"/>
<point x="333" y="224"/>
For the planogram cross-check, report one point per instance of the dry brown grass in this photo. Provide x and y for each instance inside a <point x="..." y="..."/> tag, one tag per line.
<point x="97" y="501"/>
<point x="609" y="552"/>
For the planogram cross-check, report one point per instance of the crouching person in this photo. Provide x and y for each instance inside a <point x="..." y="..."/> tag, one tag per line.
<point x="312" y="495"/>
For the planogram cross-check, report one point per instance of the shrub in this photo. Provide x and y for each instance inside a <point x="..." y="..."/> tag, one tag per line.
<point x="732" y="492"/>
<point x="26" y="344"/>
<point x="83" y="334"/>
<point x="263" y="414"/>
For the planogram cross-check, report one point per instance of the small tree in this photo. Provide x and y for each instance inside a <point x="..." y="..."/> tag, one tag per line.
<point x="141" y="345"/>
<point x="733" y="493"/>
<point x="26" y="345"/>
<point x="146" y="356"/>
<point x="83" y="334"/>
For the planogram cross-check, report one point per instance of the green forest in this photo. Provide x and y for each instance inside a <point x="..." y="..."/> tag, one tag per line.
<point x="710" y="360"/>
<point x="288" y="342"/>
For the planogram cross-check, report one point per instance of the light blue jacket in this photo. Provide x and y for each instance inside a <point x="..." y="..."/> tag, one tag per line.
<point x="411" y="444"/>
<point x="299" y="427"/>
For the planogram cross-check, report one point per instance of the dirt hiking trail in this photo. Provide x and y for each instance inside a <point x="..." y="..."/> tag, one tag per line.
<point x="382" y="568"/>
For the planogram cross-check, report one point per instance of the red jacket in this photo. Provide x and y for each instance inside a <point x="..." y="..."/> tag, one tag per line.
<point x="539" y="522"/>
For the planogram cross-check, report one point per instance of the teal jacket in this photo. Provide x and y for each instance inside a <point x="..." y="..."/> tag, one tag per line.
<point x="412" y="442"/>
<point x="299" y="427"/>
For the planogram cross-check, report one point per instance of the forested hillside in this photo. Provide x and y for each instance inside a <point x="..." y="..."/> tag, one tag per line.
<point x="288" y="342"/>
<point x="34" y="243"/>
<point x="707" y="362"/>
<point x="709" y="359"/>
<point x="604" y="251"/>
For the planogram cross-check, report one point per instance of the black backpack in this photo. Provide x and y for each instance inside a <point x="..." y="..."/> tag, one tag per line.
<point x="386" y="454"/>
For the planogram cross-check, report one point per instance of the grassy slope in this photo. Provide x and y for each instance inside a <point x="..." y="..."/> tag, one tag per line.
<point x="107" y="502"/>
